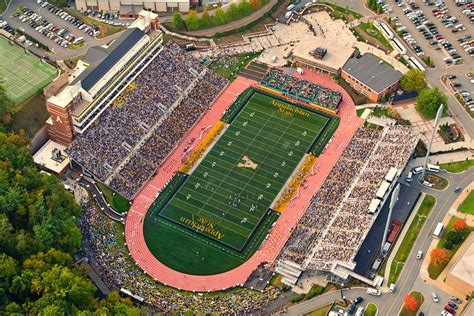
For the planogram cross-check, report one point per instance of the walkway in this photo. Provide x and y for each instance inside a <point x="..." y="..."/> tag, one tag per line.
<point x="282" y="229"/>
<point x="235" y="24"/>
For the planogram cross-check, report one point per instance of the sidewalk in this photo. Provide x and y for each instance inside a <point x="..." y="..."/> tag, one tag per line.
<point x="445" y="158"/>
<point x="394" y="250"/>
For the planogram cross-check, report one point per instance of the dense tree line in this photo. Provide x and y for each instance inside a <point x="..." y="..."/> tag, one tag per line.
<point x="38" y="236"/>
<point x="194" y="21"/>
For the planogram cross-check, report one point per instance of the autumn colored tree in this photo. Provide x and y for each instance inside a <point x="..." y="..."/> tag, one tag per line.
<point x="255" y="4"/>
<point x="459" y="225"/>
<point x="439" y="256"/>
<point x="192" y="20"/>
<point x="410" y="302"/>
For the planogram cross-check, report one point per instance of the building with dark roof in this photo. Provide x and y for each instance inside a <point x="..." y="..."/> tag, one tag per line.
<point x="370" y="76"/>
<point x="106" y="60"/>
<point x="99" y="78"/>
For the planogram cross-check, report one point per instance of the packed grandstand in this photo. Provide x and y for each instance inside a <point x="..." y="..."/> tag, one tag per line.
<point x="302" y="89"/>
<point x="150" y="118"/>
<point x="337" y="220"/>
<point x="143" y="125"/>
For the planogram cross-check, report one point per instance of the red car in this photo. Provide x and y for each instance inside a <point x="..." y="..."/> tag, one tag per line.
<point x="450" y="309"/>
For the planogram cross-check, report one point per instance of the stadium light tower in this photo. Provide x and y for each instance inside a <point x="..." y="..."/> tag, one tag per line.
<point x="393" y="200"/>
<point x="428" y="149"/>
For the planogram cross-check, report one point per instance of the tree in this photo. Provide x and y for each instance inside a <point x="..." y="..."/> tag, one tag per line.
<point x="413" y="80"/>
<point x="192" y="20"/>
<point x="255" y="4"/>
<point x="232" y="12"/>
<point x="410" y="302"/>
<point x="220" y="16"/>
<point x="244" y="8"/>
<point x="178" y="21"/>
<point x="439" y="256"/>
<point x="428" y="102"/>
<point x="205" y="18"/>
<point x="6" y="104"/>
<point x="459" y="225"/>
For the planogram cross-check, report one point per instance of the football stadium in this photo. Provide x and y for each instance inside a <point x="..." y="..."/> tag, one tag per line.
<point x="226" y="200"/>
<point x="272" y="172"/>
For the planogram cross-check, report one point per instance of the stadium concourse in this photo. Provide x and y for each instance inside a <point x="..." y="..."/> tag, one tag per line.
<point x="279" y="234"/>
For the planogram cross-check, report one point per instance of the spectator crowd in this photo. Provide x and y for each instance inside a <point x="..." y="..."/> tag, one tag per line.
<point x="337" y="220"/>
<point x="138" y="131"/>
<point x="103" y="244"/>
<point x="302" y="89"/>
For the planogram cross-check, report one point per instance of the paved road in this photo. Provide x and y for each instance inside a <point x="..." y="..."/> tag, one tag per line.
<point x="409" y="280"/>
<point x="61" y="52"/>
<point x="99" y="199"/>
<point x="433" y="75"/>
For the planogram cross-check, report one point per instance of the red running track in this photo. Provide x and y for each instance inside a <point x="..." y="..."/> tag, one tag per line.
<point x="279" y="234"/>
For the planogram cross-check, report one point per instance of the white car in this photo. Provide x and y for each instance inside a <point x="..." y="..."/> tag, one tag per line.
<point x="435" y="297"/>
<point x="427" y="184"/>
<point x="419" y="255"/>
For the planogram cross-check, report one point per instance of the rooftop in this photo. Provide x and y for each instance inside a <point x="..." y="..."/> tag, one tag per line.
<point x="104" y="61"/>
<point x="372" y="71"/>
<point x="464" y="267"/>
<point x="43" y="157"/>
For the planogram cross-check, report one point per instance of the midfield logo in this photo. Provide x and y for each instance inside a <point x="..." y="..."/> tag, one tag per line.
<point x="245" y="162"/>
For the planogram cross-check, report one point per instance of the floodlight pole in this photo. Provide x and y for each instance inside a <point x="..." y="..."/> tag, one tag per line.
<point x="393" y="200"/>
<point x="428" y="149"/>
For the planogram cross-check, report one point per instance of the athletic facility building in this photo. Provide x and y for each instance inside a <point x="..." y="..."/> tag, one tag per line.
<point x="97" y="81"/>
<point x="370" y="76"/>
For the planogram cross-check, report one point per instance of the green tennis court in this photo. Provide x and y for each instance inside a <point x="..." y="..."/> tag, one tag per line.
<point x="22" y="74"/>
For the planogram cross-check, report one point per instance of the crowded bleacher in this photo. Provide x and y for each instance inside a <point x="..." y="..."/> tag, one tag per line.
<point x="110" y="259"/>
<point x="136" y="133"/>
<point x="302" y="89"/>
<point x="337" y="221"/>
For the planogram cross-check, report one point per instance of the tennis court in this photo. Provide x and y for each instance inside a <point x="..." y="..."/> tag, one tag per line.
<point x="22" y="74"/>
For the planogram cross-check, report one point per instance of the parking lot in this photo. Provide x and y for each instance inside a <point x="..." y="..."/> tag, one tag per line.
<point x="67" y="36"/>
<point x="439" y="46"/>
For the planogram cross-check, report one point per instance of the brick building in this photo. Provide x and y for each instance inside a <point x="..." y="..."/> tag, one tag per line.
<point x="370" y="76"/>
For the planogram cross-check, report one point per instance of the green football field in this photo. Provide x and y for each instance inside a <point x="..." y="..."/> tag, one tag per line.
<point x="230" y="192"/>
<point x="22" y="74"/>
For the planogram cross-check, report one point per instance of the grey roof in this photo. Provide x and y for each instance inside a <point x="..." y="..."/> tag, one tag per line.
<point x="95" y="54"/>
<point x="114" y="53"/>
<point x="372" y="71"/>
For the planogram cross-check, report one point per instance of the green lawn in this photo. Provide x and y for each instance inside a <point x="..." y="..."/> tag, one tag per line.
<point x="229" y="66"/>
<point x="419" y="298"/>
<point x="322" y="311"/>
<point x="341" y="11"/>
<point x="118" y="202"/>
<point x="467" y="206"/>
<point x="371" y="310"/>
<point x="3" y="5"/>
<point x="410" y="237"/>
<point x="458" y="166"/>
<point x="369" y="29"/>
<point x="435" y="270"/>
